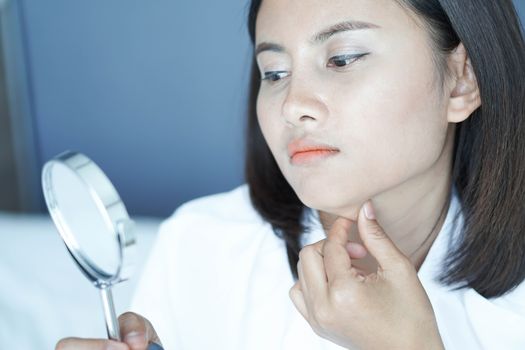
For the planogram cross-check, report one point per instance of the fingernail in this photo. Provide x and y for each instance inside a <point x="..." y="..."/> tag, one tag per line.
<point x="135" y="339"/>
<point x="369" y="210"/>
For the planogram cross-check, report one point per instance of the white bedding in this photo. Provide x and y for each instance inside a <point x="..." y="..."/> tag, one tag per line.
<point x="43" y="295"/>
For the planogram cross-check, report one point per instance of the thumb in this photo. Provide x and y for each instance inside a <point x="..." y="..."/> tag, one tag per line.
<point x="377" y="242"/>
<point x="136" y="331"/>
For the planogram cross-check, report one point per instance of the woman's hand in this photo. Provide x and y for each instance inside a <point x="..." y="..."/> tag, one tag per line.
<point x="136" y="331"/>
<point x="387" y="309"/>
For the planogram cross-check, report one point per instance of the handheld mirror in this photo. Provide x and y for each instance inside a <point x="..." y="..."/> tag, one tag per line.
<point x="93" y="223"/>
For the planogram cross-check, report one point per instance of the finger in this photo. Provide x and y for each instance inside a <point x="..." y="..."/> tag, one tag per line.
<point x="356" y="250"/>
<point x="312" y="276"/>
<point x="89" y="344"/>
<point x="314" y="290"/>
<point x="340" y="230"/>
<point x="377" y="241"/>
<point x="298" y="299"/>
<point x="313" y="271"/>
<point x="337" y="262"/>
<point x="301" y="282"/>
<point x="137" y="331"/>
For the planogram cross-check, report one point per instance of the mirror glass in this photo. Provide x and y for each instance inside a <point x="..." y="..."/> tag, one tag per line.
<point x="84" y="219"/>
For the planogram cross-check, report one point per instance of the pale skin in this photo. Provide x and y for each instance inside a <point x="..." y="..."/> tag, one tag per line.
<point x="393" y="121"/>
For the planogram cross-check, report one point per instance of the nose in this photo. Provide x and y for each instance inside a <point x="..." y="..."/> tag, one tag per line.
<point x="302" y="104"/>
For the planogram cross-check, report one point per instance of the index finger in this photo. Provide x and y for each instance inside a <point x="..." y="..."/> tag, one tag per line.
<point x="336" y="258"/>
<point x="136" y="331"/>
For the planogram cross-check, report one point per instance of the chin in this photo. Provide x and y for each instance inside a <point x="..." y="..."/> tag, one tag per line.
<point x="327" y="201"/>
<point x="331" y="200"/>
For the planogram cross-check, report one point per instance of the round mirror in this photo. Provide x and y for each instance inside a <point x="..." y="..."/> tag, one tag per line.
<point x="93" y="223"/>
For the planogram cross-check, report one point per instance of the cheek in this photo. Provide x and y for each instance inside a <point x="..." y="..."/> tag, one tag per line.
<point x="262" y="117"/>
<point x="270" y="128"/>
<point x="396" y="115"/>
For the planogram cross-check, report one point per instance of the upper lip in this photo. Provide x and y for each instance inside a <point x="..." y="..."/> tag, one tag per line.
<point x="306" y="145"/>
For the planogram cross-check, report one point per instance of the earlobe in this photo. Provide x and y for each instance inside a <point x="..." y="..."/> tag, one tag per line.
<point x="464" y="98"/>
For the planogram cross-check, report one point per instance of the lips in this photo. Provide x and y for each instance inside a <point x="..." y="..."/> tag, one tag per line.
<point x="304" y="145"/>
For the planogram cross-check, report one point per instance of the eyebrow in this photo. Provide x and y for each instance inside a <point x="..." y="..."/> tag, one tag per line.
<point x="321" y="36"/>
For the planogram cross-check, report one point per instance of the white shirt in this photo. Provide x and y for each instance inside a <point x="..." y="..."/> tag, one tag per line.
<point x="218" y="278"/>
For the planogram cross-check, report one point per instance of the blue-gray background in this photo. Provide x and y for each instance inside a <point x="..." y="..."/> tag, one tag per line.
<point x="154" y="91"/>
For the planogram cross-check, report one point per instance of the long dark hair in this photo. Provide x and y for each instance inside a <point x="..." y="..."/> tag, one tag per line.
<point x="489" y="147"/>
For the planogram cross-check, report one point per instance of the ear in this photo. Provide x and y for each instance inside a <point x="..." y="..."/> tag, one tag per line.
<point x="464" y="96"/>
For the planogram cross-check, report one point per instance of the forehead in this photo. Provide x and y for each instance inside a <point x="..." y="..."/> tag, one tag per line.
<point x="282" y="19"/>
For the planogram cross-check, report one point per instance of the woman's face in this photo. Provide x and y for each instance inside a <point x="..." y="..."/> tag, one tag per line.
<point x="372" y="94"/>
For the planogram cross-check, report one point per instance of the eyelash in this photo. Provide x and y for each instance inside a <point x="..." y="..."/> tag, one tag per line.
<point x="273" y="76"/>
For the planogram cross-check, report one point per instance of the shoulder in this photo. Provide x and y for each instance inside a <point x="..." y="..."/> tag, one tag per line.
<point x="214" y="243"/>
<point x="231" y="206"/>
<point x="227" y="208"/>
<point x="215" y="217"/>
<point x="217" y="235"/>
<point x="497" y="322"/>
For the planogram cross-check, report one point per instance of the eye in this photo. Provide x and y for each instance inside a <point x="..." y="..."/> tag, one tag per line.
<point x="274" y="76"/>
<point x="344" y="60"/>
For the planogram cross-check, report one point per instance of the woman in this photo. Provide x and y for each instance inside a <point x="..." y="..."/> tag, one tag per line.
<point x="385" y="186"/>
